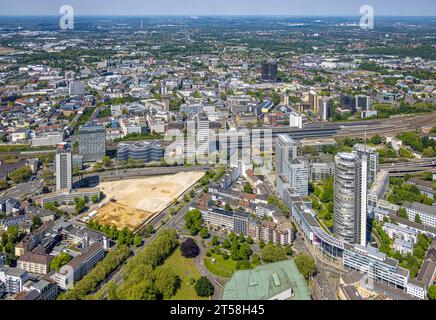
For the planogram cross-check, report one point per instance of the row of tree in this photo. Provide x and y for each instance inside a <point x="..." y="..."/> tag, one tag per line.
<point x="102" y="270"/>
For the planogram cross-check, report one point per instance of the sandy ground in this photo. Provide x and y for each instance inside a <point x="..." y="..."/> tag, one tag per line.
<point x="122" y="216"/>
<point x="151" y="194"/>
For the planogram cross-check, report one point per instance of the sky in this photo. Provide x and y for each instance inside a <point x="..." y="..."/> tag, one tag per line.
<point x="220" y="7"/>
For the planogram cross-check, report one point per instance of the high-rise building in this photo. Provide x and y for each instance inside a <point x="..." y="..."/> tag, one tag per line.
<point x="92" y="142"/>
<point x="269" y="71"/>
<point x="325" y="108"/>
<point x="64" y="168"/>
<point x="296" y="174"/>
<point x="347" y="102"/>
<point x="286" y="150"/>
<point x="363" y="102"/>
<point x="295" y="119"/>
<point x="313" y="101"/>
<point x="350" y="198"/>
<point x="373" y="160"/>
<point x="76" y="88"/>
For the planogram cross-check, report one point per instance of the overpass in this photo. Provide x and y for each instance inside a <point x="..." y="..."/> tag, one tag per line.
<point x="400" y="169"/>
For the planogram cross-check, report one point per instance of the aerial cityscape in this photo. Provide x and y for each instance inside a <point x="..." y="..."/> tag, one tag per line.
<point x="205" y="154"/>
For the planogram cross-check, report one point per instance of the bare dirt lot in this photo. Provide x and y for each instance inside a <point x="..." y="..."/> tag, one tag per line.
<point x="134" y="201"/>
<point x="122" y="216"/>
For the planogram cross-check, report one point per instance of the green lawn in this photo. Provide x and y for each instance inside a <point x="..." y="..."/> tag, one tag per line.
<point x="186" y="270"/>
<point x="221" y="267"/>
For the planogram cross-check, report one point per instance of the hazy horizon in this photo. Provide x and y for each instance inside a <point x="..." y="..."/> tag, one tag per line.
<point x="284" y="8"/>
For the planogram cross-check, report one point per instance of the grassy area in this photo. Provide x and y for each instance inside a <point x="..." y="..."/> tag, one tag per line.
<point x="186" y="270"/>
<point x="221" y="267"/>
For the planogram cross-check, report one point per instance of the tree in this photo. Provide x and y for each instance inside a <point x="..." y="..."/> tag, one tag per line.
<point x="402" y="213"/>
<point x="204" y="233"/>
<point x="418" y="218"/>
<point x="59" y="261"/>
<point x="245" y="251"/>
<point x="227" y="207"/>
<point x="189" y="248"/>
<point x="272" y="253"/>
<point x="194" y="221"/>
<point x="36" y="222"/>
<point x="432" y="292"/>
<point x="107" y="161"/>
<point x="226" y="244"/>
<point x="166" y="281"/>
<point x="3" y="184"/>
<point x="215" y="241"/>
<point x="204" y="287"/>
<point x="21" y="174"/>
<point x="248" y="188"/>
<point x="250" y="240"/>
<point x="255" y="259"/>
<point x="94" y="199"/>
<point x="376" y="139"/>
<point x="305" y="264"/>
<point x="80" y="205"/>
<point x="137" y="241"/>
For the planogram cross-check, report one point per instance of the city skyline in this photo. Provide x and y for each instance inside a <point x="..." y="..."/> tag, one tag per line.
<point x="218" y="8"/>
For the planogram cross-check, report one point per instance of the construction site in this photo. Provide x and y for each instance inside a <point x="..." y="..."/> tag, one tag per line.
<point x="132" y="203"/>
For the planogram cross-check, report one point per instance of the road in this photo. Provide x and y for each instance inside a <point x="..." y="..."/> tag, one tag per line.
<point x="412" y="166"/>
<point x="174" y="222"/>
<point x="119" y="174"/>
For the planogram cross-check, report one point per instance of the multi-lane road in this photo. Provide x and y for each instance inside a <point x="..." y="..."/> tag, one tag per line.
<point x="413" y="166"/>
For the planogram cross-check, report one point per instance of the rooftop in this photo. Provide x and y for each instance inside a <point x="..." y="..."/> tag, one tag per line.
<point x="267" y="282"/>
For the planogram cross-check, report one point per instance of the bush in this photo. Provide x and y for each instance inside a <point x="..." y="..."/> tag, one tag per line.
<point x="225" y="256"/>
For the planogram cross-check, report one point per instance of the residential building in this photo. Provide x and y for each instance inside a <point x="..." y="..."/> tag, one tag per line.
<point x="427" y="214"/>
<point x="35" y="263"/>
<point x="13" y="278"/>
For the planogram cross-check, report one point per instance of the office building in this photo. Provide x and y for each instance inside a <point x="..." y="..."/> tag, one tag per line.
<point x="296" y="174"/>
<point x="76" y="88"/>
<point x="350" y="188"/>
<point x="269" y="71"/>
<point x="286" y="150"/>
<point x="80" y="266"/>
<point x="64" y="168"/>
<point x="47" y="139"/>
<point x="295" y="119"/>
<point x="348" y="103"/>
<point x="141" y="151"/>
<point x="92" y="142"/>
<point x="321" y="171"/>
<point x="363" y="102"/>
<point x="325" y="108"/>
<point x="378" y="188"/>
<point x="373" y="160"/>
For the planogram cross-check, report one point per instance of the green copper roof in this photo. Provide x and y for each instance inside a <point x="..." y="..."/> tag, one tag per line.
<point x="267" y="282"/>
